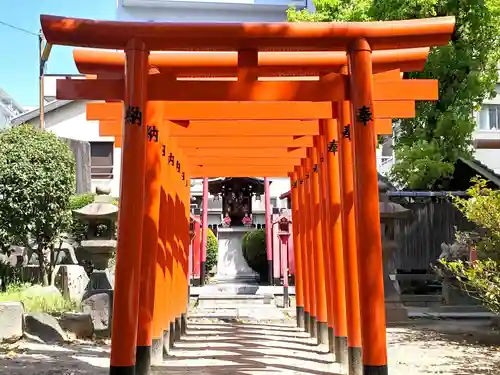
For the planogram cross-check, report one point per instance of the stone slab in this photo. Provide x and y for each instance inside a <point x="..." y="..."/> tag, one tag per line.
<point x="251" y="313"/>
<point x="222" y="301"/>
<point x="11" y="318"/>
<point x="100" y="308"/>
<point x="241" y="289"/>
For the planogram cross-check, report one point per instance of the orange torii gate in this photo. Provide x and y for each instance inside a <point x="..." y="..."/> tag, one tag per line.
<point x="272" y="128"/>
<point x="140" y="91"/>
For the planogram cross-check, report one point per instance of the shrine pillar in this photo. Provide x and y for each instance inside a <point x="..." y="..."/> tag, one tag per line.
<point x="129" y="243"/>
<point x="371" y="276"/>
<point x="311" y="244"/>
<point x="337" y="265"/>
<point x="269" y="240"/>
<point x="152" y="187"/>
<point x="297" y="249"/>
<point x="204" y="233"/>
<point x="186" y="241"/>
<point x="170" y="290"/>
<point x="162" y="307"/>
<point x="325" y="229"/>
<point x="277" y="250"/>
<point x="197" y="252"/>
<point x="318" y="249"/>
<point x="304" y="246"/>
<point x="349" y="240"/>
<point x="284" y="272"/>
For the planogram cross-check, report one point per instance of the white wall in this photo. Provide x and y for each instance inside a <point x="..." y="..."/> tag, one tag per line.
<point x="205" y="10"/>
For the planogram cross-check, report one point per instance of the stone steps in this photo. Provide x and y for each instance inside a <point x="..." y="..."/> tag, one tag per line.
<point x="225" y="300"/>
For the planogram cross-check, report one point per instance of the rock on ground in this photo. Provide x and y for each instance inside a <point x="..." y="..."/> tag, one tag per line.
<point x="79" y="324"/>
<point x="45" y="327"/>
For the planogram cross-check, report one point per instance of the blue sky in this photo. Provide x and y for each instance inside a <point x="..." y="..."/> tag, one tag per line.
<point x="19" y="63"/>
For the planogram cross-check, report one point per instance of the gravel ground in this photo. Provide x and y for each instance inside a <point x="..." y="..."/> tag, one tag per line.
<point x="215" y="346"/>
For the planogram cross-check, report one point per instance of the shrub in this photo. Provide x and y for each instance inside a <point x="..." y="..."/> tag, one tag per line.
<point x="37" y="179"/>
<point x="80" y="200"/>
<point x="212" y="251"/>
<point x="479" y="279"/>
<point x="34" y="302"/>
<point x="254" y="250"/>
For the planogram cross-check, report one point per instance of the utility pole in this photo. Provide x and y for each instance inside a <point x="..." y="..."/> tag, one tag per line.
<point x="44" y="52"/>
<point x="41" y="81"/>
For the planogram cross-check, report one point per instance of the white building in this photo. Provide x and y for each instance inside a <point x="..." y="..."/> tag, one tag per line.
<point x="488" y="130"/>
<point x="9" y="109"/>
<point x="207" y="10"/>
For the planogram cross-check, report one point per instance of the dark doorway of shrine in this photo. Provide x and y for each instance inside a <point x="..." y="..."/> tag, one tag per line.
<point x="237" y="195"/>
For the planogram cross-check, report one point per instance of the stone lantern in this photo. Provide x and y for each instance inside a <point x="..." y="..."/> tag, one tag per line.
<point x="389" y="213"/>
<point x="100" y="243"/>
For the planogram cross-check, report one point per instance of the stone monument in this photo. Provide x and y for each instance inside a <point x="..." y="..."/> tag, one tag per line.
<point x="389" y="213"/>
<point x="236" y="195"/>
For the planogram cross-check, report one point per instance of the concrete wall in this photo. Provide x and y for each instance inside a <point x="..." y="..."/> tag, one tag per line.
<point x="81" y="150"/>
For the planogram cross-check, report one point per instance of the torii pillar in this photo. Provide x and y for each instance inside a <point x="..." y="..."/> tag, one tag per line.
<point x="369" y="243"/>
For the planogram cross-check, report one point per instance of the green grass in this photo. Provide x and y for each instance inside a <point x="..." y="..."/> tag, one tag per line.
<point x="34" y="301"/>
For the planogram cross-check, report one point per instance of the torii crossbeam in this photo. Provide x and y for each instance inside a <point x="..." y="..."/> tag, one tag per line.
<point x="345" y="102"/>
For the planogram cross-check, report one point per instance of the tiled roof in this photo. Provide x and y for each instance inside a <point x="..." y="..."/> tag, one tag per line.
<point x="482" y="169"/>
<point x="391" y="187"/>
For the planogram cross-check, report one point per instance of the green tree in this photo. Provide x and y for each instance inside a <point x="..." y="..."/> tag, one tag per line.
<point x="427" y="146"/>
<point x="37" y="179"/>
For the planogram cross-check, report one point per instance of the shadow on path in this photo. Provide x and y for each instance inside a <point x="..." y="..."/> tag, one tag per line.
<point x="214" y="347"/>
<point x="28" y="358"/>
<point x="240" y="348"/>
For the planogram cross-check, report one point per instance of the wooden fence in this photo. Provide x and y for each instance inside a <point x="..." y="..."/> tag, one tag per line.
<point x="432" y="222"/>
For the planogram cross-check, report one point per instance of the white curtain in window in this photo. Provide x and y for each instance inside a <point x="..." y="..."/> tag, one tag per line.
<point x="489" y="117"/>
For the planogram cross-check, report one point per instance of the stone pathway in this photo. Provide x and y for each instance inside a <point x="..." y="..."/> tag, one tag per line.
<point x="234" y="346"/>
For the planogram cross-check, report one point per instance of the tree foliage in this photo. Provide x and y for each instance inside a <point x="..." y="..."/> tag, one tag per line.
<point x="481" y="277"/>
<point x="427" y="146"/>
<point x="37" y="179"/>
<point x="483" y="209"/>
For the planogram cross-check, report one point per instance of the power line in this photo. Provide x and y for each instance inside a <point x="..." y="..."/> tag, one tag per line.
<point x="19" y="28"/>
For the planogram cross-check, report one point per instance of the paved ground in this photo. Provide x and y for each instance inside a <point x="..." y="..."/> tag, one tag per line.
<point x="215" y="346"/>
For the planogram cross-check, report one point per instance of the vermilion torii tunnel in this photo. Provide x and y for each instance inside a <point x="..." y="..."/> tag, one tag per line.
<point x="170" y="113"/>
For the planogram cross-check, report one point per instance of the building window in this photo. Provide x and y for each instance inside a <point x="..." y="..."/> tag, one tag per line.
<point x="285" y="203"/>
<point x="489" y="117"/>
<point x="274" y="202"/>
<point x="101" y="160"/>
